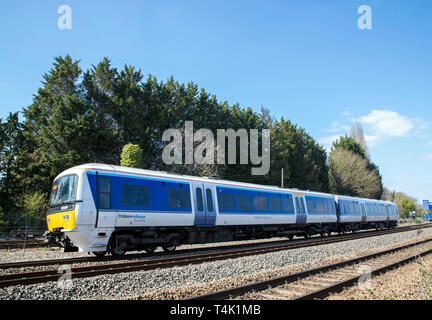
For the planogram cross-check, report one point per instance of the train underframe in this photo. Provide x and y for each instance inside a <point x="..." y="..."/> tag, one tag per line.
<point x="57" y="237"/>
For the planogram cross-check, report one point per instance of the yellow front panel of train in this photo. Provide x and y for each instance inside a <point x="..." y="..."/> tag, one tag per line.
<point x="65" y="220"/>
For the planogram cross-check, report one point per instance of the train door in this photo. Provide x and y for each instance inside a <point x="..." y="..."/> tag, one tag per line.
<point x="387" y="211"/>
<point x="363" y="212"/>
<point x="209" y="196"/>
<point x="203" y="195"/>
<point x="301" y="215"/>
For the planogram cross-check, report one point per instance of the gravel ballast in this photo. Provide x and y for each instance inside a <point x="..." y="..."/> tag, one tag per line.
<point x="155" y="283"/>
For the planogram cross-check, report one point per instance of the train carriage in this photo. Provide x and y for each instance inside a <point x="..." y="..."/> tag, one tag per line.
<point x="359" y="213"/>
<point x="103" y="208"/>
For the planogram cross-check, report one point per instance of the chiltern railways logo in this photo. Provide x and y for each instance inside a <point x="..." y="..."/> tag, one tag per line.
<point x="127" y="216"/>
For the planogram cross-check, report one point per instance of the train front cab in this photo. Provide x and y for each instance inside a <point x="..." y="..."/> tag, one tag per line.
<point x="71" y="214"/>
<point x="62" y="210"/>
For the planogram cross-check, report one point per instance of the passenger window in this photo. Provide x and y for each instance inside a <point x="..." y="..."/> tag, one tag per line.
<point x="288" y="204"/>
<point x="226" y="201"/>
<point x="297" y="205"/>
<point x="209" y="200"/>
<point x="275" y="204"/>
<point x="319" y="206"/>
<point x="135" y="195"/>
<point x="244" y="202"/>
<point x="199" y="198"/>
<point x="302" y="206"/>
<point x="179" y="198"/>
<point x="311" y="205"/>
<point x="104" y="192"/>
<point x="326" y="206"/>
<point x="261" y="203"/>
<point x="331" y="206"/>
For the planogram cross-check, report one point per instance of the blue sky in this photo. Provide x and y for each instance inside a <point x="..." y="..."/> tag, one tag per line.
<point x="305" y="60"/>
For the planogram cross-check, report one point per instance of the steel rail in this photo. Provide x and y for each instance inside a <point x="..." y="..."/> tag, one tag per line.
<point x="112" y="268"/>
<point x="17" y="244"/>
<point x="321" y="293"/>
<point x="269" y="246"/>
<point x="286" y="279"/>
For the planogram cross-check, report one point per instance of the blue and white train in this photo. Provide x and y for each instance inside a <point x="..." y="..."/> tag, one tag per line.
<point x="103" y="208"/>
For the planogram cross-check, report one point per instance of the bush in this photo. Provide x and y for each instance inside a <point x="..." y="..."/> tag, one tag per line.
<point x="34" y="209"/>
<point x="418" y="220"/>
<point x="131" y="156"/>
<point x="349" y="175"/>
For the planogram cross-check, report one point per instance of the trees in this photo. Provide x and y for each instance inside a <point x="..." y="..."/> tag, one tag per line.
<point x="349" y="175"/>
<point x="407" y="207"/>
<point x="350" y="144"/>
<point x="55" y="128"/>
<point x="301" y="157"/>
<point x="34" y="206"/>
<point x="357" y="135"/>
<point x="131" y="156"/>
<point x="404" y="202"/>
<point x="343" y="179"/>
<point x="80" y="116"/>
<point x="11" y="141"/>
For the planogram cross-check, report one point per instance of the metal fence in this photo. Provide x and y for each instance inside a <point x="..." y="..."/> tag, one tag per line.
<point x="20" y="225"/>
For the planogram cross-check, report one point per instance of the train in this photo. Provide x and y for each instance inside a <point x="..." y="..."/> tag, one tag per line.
<point x="102" y="208"/>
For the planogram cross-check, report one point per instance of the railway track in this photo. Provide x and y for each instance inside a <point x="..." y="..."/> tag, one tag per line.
<point x="24" y="278"/>
<point x="320" y="282"/>
<point x="20" y="244"/>
<point x="282" y="245"/>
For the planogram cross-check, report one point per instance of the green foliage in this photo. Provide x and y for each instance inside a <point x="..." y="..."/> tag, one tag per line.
<point x="425" y="271"/>
<point x="418" y="220"/>
<point x="131" y="156"/>
<point x="34" y="208"/>
<point x="349" y="144"/>
<point x="11" y="141"/>
<point x="349" y="175"/>
<point x="34" y="203"/>
<point x="404" y="202"/>
<point x="407" y="207"/>
<point x="301" y="157"/>
<point x="368" y="171"/>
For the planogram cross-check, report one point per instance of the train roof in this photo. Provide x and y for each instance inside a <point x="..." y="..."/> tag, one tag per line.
<point x="146" y="172"/>
<point x="362" y="199"/>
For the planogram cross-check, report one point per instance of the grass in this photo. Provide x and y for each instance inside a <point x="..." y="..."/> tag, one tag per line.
<point x="418" y="220"/>
<point x="426" y="278"/>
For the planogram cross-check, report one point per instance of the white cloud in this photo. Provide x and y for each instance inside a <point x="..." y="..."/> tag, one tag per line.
<point x="377" y="126"/>
<point x="428" y="156"/>
<point x="383" y="123"/>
